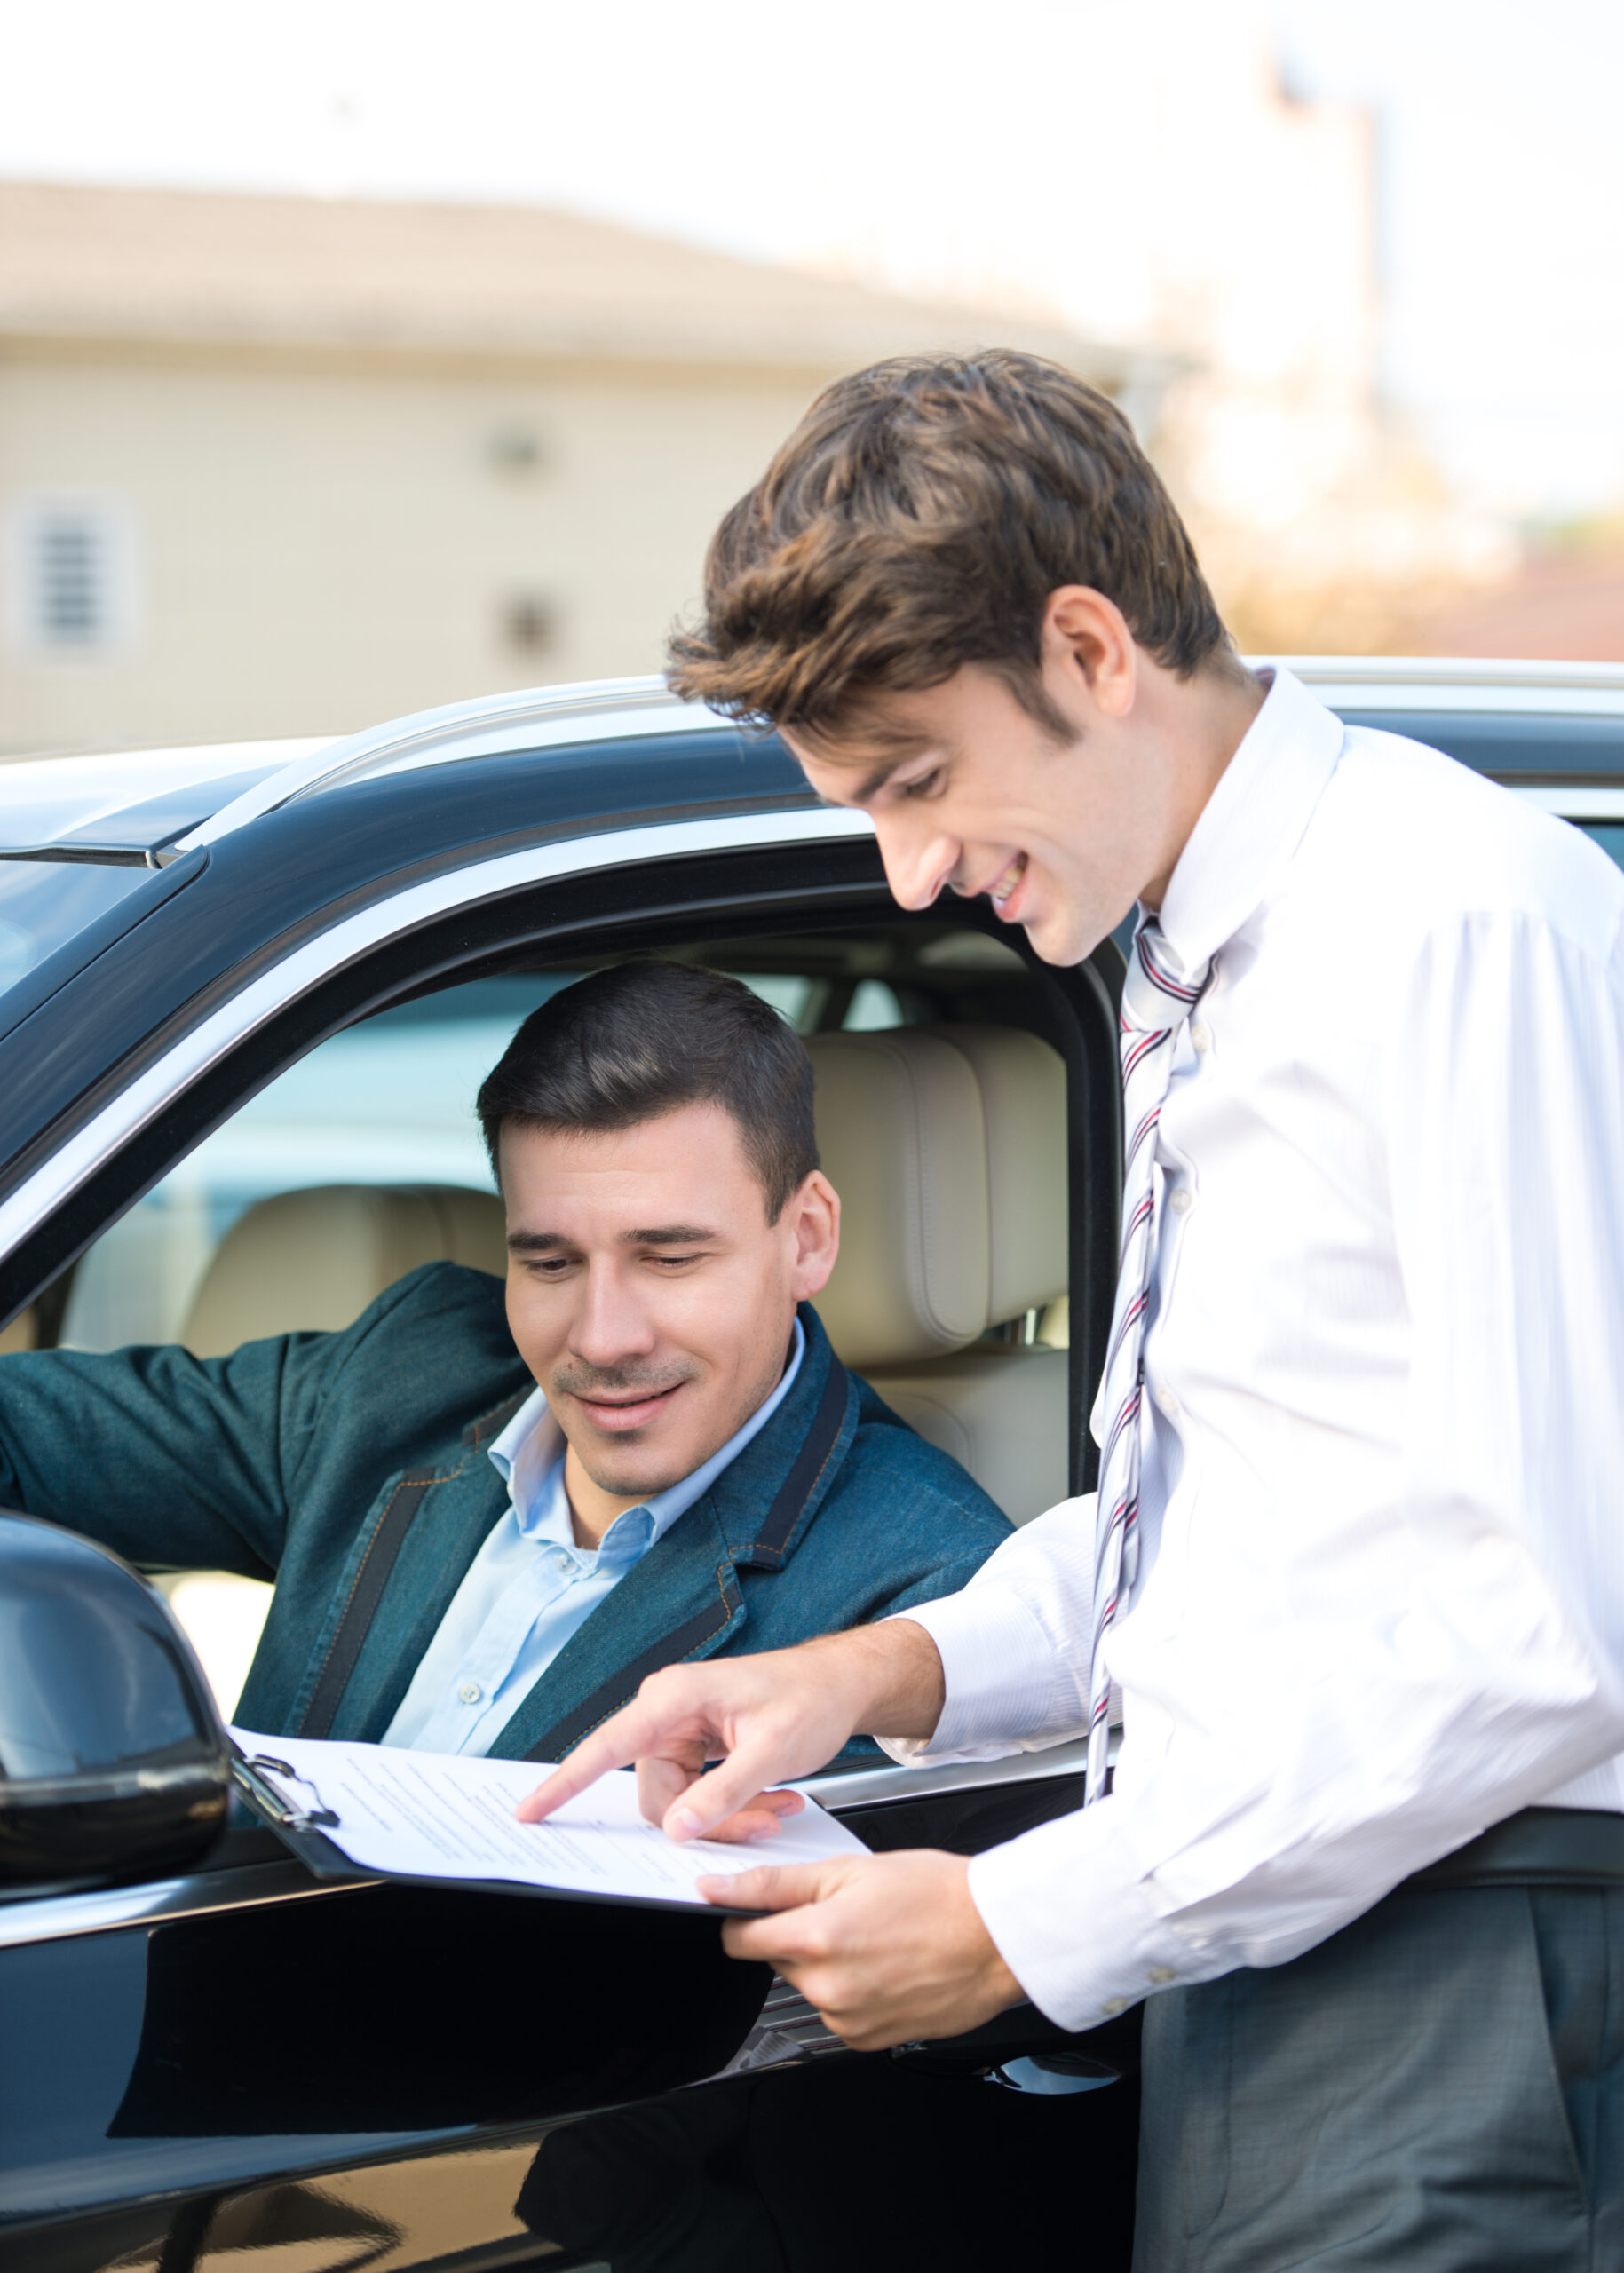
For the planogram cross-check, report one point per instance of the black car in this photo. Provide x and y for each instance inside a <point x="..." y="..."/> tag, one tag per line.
<point x="228" y="982"/>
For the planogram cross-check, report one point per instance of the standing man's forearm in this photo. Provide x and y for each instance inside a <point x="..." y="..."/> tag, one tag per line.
<point x="893" y="1675"/>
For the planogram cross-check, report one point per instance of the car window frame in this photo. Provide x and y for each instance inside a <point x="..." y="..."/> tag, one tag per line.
<point x="303" y="999"/>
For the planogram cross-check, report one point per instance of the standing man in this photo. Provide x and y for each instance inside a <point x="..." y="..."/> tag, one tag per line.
<point x="1354" y="1571"/>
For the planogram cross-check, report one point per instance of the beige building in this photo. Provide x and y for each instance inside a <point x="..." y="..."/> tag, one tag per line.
<point x="277" y="465"/>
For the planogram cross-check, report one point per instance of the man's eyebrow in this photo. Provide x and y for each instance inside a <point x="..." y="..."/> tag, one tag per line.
<point x="900" y="747"/>
<point x="873" y="783"/>
<point x="658" y="1235"/>
<point x="908" y="747"/>
<point x="870" y="786"/>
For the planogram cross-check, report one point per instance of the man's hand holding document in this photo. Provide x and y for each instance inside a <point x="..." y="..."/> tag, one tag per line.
<point x="418" y="1815"/>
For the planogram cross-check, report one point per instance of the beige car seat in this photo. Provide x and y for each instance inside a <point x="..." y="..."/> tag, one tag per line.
<point x="313" y="1260"/>
<point x="948" y="1146"/>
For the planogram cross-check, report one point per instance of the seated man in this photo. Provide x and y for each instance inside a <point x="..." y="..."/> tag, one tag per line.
<point x="486" y="1528"/>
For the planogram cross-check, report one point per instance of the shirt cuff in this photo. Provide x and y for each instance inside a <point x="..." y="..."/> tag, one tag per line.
<point x="998" y="1670"/>
<point x="1073" y="1924"/>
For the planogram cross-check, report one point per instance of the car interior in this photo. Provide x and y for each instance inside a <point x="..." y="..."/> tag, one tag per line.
<point x="942" y="1122"/>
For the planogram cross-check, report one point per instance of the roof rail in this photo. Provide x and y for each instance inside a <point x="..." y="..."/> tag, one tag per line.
<point x="1474" y="681"/>
<point x="483" y="727"/>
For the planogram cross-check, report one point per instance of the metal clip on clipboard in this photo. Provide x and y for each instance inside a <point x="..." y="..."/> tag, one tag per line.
<point x="252" y="1774"/>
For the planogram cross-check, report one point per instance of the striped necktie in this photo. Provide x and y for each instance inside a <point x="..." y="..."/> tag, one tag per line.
<point x="1157" y="999"/>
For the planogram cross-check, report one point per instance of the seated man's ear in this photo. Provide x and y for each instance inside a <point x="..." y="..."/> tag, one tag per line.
<point x="812" y="1217"/>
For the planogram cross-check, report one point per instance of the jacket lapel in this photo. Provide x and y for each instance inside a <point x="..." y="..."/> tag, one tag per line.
<point x="444" y="1517"/>
<point x="683" y="1602"/>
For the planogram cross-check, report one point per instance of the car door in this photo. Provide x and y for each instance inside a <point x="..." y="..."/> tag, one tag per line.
<point x="241" y="2059"/>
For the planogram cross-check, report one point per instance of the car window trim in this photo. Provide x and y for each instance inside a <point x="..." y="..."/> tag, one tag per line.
<point x="25" y="1919"/>
<point x="72" y="1165"/>
<point x="1575" y="801"/>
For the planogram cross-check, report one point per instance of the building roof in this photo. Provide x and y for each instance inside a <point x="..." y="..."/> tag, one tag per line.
<point x="227" y="269"/>
<point x="1563" y="605"/>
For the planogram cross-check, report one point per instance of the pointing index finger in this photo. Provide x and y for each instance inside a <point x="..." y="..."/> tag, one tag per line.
<point x="593" y="1757"/>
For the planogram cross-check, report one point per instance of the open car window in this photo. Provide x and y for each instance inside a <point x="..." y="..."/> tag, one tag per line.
<point x="387" y="1102"/>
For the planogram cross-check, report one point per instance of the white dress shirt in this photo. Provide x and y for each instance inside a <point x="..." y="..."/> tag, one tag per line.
<point x="1380" y="1602"/>
<point x="530" y="1588"/>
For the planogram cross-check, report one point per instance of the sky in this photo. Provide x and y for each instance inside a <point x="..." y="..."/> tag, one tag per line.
<point x="1017" y="155"/>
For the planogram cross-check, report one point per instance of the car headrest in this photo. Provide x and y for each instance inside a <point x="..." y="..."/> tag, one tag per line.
<point x="947" y="1147"/>
<point x="313" y="1260"/>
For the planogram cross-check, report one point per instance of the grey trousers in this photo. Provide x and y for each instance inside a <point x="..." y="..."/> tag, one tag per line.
<point x="1438" y="2087"/>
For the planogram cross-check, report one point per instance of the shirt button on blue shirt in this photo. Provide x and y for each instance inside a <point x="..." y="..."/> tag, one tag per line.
<point x="470" y="1692"/>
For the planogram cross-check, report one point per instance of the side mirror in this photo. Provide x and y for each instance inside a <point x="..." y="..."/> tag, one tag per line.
<point x="112" y="1761"/>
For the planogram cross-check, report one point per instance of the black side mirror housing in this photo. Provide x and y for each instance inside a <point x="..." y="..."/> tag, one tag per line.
<point x="114" y="1764"/>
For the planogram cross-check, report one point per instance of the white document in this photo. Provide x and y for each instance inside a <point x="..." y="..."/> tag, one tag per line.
<point x="432" y="1815"/>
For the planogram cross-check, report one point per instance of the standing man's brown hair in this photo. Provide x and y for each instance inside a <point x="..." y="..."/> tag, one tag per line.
<point x="918" y="519"/>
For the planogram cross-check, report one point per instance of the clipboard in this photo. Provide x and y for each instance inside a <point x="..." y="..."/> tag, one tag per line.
<point x="302" y="1829"/>
<point x="303" y="1823"/>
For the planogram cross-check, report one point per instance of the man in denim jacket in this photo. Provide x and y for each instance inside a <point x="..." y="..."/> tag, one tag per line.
<point x="488" y="1526"/>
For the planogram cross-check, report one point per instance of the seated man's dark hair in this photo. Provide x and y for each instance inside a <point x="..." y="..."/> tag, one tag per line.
<point x="644" y="1038"/>
<point x="917" y="520"/>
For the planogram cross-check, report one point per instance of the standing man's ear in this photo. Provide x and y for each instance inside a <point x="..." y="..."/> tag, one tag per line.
<point x="1086" y="637"/>
<point x="812" y="1217"/>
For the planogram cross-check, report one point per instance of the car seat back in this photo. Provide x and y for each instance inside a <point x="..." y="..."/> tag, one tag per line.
<point x="313" y="1260"/>
<point x="948" y="1146"/>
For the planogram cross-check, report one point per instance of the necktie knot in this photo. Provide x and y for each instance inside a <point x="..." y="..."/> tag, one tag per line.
<point x="1159" y="992"/>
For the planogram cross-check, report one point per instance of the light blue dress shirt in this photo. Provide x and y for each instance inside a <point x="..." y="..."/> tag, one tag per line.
<point x="530" y="1587"/>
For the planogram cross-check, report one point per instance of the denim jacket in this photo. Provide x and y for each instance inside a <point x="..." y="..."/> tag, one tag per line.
<point x="352" y="1468"/>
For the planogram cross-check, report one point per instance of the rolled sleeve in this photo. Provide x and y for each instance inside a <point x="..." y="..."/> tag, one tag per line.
<point x="1013" y="1645"/>
<point x="996" y="1677"/>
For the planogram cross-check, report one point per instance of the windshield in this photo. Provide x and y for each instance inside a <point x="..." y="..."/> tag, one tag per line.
<point x="44" y="903"/>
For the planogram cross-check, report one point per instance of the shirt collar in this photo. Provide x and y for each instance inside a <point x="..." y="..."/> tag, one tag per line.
<point x="1254" y="820"/>
<point x="528" y="1455"/>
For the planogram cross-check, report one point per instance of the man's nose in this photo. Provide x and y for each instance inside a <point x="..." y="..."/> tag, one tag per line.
<point x="610" y="1324"/>
<point x="919" y="858"/>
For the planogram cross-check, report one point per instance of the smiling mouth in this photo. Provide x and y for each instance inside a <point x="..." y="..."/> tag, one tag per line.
<point x="618" y="1416"/>
<point x="1004" y="888"/>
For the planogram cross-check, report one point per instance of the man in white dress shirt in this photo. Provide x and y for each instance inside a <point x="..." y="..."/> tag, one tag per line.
<point x="1354" y="1574"/>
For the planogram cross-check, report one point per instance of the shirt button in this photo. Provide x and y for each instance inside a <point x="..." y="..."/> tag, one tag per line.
<point x="470" y="1692"/>
<point x="560" y="1561"/>
<point x="1115" y="2005"/>
<point x="1166" y="1399"/>
<point x="1160" y="1975"/>
<point x="1200" y="1038"/>
<point x="1182" y="1200"/>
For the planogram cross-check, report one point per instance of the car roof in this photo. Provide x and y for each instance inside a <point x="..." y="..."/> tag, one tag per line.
<point x="143" y="805"/>
<point x="124" y="802"/>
